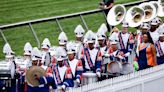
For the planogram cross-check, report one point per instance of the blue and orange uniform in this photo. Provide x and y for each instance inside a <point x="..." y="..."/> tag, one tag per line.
<point x="145" y="59"/>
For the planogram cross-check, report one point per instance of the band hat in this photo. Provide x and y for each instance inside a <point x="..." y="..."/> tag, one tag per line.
<point x="79" y="31"/>
<point x="70" y="48"/>
<point x="46" y="43"/>
<point x="36" y="54"/>
<point x="8" y="51"/>
<point x="27" y="49"/>
<point x="62" y="38"/>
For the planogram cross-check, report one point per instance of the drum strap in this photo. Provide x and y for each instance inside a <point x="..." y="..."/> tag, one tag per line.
<point x="121" y="41"/>
<point x="161" y="53"/>
<point x="115" y="59"/>
<point x="57" y="75"/>
<point x="89" y="60"/>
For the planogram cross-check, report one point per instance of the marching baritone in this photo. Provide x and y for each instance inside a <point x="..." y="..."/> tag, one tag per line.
<point x="43" y="85"/>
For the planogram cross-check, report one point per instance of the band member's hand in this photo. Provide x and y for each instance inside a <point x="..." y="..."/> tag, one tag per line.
<point x="63" y="87"/>
<point x="122" y="53"/>
<point x="127" y="54"/>
<point x="98" y="74"/>
<point x="37" y="77"/>
<point x="119" y="56"/>
<point x="78" y="81"/>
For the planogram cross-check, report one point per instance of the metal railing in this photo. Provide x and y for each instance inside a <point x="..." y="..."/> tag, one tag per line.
<point x="148" y="80"/>
<point x="56" y="18"/>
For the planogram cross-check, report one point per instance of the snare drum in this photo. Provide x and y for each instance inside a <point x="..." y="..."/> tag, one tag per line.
<point x="127" y="68"/>
<point x="114" y="67"/>
<point x="89" y="78"/>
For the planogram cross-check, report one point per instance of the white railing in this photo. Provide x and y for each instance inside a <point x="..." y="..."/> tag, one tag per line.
<point x="148" y="80"/>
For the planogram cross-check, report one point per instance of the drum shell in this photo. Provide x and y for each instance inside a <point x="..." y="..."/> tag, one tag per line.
<point x="89" y="78"/>
<point x="114" y="67"/>
<point x="127" y="68"/>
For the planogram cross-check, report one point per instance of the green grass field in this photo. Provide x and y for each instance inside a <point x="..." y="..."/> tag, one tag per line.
<point x="13" y="11"/>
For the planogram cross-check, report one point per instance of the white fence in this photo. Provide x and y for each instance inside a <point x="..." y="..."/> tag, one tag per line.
<point x="148" y="80"/>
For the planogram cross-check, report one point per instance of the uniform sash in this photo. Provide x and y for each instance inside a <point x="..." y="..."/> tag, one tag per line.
<point x="159" y="48"/>
<point x="121" y="41"/>
<point x="57" y="75"/>
<point x="88" y="57"/>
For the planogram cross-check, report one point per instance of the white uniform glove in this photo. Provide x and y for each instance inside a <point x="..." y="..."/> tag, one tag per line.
<point x="63" y="87"/>
<point x="98" y="74"/>
<point x="78" y="81"/>
<point x="127" y="54"/>
<point x="119" y="56"/>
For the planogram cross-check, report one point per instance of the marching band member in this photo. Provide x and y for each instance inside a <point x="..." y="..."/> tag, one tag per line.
<point x="62" y="75"/>
<point x="160" y="48"/>
<point x="102" y="47"/>
<point x="46" y="57"/>
<point x="126" y="41"/>
<point x="74" y="64"/>
<point x="154" y="34"/>
<point x="11" y="83"/>
<point x="27" y="54"/>
<point x="147" y="52"/>
<point x="91" y="57"/>
<point x="36" y="60"/>
<point x="28" y="62"/>
<point x="79" y="32"/>
<point x="115" y="64"/>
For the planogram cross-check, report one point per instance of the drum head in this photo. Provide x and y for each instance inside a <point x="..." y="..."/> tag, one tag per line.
<point x="30" y="75"/>
<point x="114" y="67"/>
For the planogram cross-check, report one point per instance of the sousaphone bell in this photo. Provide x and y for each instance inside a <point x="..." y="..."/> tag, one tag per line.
<point x="135" y="16"/>
<point x="116" y="15"/>
<point x="150" y="11"/>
